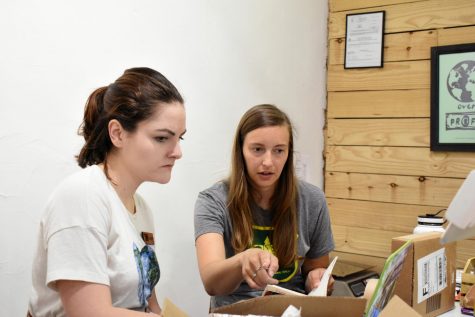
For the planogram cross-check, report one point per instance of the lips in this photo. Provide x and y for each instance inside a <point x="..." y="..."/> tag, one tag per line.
<point x="265" y="173"/>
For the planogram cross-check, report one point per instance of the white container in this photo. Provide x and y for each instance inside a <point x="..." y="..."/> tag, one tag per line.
<point x="429" y="223"/>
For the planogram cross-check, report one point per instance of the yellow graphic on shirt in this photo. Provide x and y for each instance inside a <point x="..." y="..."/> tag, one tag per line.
<point x="263" y="240"/>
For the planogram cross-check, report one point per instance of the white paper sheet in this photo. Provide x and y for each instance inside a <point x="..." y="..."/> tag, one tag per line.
<point x="321" y="290"/>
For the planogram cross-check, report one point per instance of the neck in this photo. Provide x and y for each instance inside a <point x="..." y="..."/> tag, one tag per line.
<point x="263" y="197"/>
<point x="124" y="183"/>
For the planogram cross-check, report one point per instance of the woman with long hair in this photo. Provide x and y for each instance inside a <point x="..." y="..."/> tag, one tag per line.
<point x="261" y="225"/>
<point x="95" y="253"/>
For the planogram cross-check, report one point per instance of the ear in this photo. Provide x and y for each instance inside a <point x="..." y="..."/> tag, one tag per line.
<point x="116" y="133"/>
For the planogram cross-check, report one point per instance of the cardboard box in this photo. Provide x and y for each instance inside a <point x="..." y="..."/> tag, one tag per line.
<point x="275" y="305"/>
<point x="397" y="308"/>
<point x="427" y="279"/>
<point x="171" y="310"/>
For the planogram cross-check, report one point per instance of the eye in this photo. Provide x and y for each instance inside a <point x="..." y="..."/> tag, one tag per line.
<point x="279" y="151"/>
<point x="257" y="149"/>
<point x="181" y="138"/>
<point x="161" y="139"/>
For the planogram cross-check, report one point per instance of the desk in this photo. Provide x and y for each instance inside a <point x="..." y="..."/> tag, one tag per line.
<point x="454" y="312"/>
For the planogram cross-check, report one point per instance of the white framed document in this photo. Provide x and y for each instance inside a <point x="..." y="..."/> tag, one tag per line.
<point x="364" y="40"/>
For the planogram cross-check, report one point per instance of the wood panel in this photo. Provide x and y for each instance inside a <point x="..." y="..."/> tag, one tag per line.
<point x="379" y="104"/>
<point x="397" y="47"/>
<point x="376" y="215"/>
<point x="429" y="191"/>
<point x="387" y="132"/>
<point x="377" y="243"/>
<point x="364" y="241"/>
<point x="414" y="16"/>
<point x="380" y="173"/>
<point x="456" y="36"/>
<point x="398" y="160"/>
<point x="357" y="4"/>
<point x="376" y="263"/>
<point x="394" y="75"/>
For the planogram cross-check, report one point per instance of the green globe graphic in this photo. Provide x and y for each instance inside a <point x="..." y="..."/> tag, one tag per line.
<point x="461" y="81"/>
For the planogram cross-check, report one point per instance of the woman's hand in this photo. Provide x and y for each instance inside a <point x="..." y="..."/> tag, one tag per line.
<point x="258" y="267"/>
<point x="313" y="280"/>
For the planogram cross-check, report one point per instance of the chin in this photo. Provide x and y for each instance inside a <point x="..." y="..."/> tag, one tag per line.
<point x="162" y="179"/>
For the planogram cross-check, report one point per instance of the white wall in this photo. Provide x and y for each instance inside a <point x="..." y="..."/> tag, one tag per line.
<point x="223" y="55"/>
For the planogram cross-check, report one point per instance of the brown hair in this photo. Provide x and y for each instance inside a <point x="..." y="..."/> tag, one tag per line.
<point x="284" y="199"/>
<point x="132" y="98"/>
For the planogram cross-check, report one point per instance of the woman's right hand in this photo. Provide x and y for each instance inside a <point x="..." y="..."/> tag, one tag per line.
<point x="258" y="267"/>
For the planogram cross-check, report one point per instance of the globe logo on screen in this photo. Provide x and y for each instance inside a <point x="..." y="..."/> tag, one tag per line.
<point x="461" y="81"/>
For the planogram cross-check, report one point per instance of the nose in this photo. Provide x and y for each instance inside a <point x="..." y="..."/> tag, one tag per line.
<point x="176" y="152"/>
<point x="267" y="159"/>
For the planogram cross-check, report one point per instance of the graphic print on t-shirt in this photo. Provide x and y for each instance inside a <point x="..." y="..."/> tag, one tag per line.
<point x="149" y="272"/>
<point x="263" y="240"/>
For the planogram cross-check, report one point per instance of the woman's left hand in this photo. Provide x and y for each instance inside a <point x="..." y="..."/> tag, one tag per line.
<point x="313" y="280"/>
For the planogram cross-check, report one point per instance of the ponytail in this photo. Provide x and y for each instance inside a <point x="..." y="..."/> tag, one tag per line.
<point x="132" y="98"/>
<point x="94" y="130"/>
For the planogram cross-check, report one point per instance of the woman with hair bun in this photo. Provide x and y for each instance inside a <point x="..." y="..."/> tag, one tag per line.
<point x="95" y="253"/>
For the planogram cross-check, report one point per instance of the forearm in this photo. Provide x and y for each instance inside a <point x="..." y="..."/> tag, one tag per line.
<point x="122" y="312"/>
<point x="105" y="312"/>
<point x="153" y="304"/>
<point x="222" y="277"/>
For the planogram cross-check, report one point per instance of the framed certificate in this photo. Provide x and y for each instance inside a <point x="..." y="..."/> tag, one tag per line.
<point x="452" y="115"/>
<point x="364" y="41"/>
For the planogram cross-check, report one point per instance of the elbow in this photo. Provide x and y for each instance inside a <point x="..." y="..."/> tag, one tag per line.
<point x="211" y="289"/>
<point x="217" y="289"/>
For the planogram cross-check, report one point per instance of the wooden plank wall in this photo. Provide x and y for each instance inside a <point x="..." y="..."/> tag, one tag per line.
<point x="379" y="171"/>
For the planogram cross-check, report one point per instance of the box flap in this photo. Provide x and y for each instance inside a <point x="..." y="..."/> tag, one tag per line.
<point x="397" y="307"/>
<point x="171" y="310"/>
<point x="275" y="305"/>
<point x="419" y="236"/>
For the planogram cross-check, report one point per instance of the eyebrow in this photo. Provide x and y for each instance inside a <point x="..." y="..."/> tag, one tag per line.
<point x="277" y="145"/>
<point x="170" y="131"/>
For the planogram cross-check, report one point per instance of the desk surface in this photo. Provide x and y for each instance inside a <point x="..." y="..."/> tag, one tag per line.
<point x="454" y="312"/>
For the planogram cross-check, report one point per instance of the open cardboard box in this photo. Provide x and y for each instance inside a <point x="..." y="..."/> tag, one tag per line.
<point x="275" y="305"/>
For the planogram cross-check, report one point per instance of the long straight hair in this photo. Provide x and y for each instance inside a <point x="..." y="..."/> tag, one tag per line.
<point x="284" y="199"/>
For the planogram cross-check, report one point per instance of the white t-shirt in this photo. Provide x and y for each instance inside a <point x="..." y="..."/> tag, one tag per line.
<point x="87" y="234"/>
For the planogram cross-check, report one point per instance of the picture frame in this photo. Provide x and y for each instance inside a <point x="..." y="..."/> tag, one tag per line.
<point x="452" y="114"/>
<point x="364" y="40"/>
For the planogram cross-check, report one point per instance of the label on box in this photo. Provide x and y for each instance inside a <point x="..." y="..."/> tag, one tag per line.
<point x="432" y="274"/>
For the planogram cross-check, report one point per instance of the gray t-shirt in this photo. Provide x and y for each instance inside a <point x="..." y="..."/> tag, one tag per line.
<point x="315" y="237"/>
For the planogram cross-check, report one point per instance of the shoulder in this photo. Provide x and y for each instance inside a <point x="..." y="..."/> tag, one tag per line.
<point x="309" y="191"/>
<point x="212" y="201"/>
<point x="78" y="199"/>
<point x="311" y="199"/>
<point x="217" y="192"/>
<point x="77" y="184"/>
